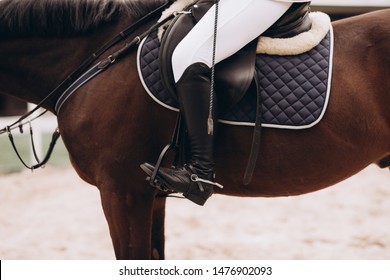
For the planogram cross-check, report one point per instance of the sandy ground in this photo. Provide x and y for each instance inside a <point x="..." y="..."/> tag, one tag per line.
<point x="52" y="214"/>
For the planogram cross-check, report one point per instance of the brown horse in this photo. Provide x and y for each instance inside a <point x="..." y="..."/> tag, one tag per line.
<point x="111" y="126"/>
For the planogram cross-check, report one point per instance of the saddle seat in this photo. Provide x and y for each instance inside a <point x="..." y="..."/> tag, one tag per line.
<point x="234" y="76"/>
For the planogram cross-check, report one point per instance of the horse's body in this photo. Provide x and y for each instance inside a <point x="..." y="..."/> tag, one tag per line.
<point x="111" y="126"/>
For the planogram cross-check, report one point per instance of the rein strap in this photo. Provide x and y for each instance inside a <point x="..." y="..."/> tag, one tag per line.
<point x="105" y="64"/>
<point x="76" y="76"/>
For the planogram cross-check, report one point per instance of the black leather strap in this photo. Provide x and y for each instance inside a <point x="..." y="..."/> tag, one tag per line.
<point x="256" y="139"/>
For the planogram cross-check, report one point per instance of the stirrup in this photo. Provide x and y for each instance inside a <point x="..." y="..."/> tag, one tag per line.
<point x="152" y="180"/>
<point x="173" y="146"/>
<point x="195" y="192"/>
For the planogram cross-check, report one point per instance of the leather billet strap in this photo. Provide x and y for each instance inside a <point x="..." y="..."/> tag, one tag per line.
<point x="256" y="138"/>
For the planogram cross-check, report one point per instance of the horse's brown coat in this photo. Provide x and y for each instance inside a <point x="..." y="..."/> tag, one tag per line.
<point x="111" y="126"/>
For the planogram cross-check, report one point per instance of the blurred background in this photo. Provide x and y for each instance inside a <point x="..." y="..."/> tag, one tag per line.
<point x="338" y="9"/>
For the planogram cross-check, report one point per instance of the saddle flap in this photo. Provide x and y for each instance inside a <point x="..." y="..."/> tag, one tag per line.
<point x="175" y="32"/>
<point x="233" y="76"/>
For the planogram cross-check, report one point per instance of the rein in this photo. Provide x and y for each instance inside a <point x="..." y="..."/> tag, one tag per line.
<point x="74" y="76"/>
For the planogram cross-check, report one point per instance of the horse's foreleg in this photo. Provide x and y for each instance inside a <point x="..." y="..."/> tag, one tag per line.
<point x="158" y="229"/>
<point x="129" y="217"/>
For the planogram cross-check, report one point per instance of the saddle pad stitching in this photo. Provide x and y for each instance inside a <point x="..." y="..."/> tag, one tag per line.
<point x="327" y="96"/>
<point x="141" y="77"/>
<point x="245" y="123"/>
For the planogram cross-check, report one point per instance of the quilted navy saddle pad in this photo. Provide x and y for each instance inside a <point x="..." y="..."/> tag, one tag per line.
<point x="294" y="89"/>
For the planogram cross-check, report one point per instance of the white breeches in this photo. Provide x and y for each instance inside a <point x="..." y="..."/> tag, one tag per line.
<point x="239" y="22"/>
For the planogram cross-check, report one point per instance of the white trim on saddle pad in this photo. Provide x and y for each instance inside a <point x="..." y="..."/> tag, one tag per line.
<point x="329" y="27"/>
<point x="329" y="83"/>
<point x="141" y="78"/>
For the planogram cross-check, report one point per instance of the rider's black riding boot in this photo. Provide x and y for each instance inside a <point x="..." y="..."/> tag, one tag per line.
<point x="196" y="179"/>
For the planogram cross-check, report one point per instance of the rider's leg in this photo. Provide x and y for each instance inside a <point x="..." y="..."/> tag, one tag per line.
<point x="194" y="86"/>
<point x="239" y="22"/>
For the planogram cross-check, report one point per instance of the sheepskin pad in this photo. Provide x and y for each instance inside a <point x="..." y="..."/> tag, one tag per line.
<point x="275" y="46"/>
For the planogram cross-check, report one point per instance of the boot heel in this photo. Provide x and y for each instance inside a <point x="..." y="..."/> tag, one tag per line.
<point x="199" y="197"/>
<point x="196" y="199"/>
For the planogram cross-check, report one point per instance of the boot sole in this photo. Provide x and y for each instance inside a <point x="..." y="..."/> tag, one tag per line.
<point x="159" y="183"/>
<point x="164" y="186"/>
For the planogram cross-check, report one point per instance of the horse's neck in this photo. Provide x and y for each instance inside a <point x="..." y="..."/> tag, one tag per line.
<point x="30" y="68"/>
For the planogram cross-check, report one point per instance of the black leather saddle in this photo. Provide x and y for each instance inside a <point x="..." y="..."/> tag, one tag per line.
<point x="235" y="75"/>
